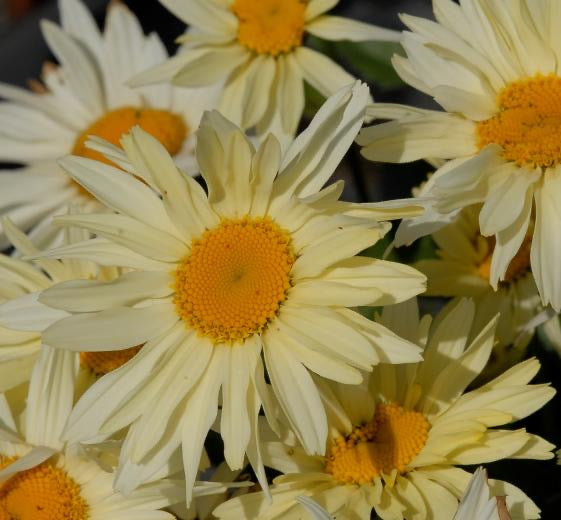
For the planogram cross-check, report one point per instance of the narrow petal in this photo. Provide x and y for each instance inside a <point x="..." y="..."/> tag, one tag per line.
<point x="200" y="412"/>
<point x="111" y="329"/>
<point x="338" y="28"/>
<point x="93" y="295"/>
<point x="544" y="249"/>
<point x="27" y="313"/>
<point x="297" y="395"/>
<point x="141" y="238"/>
<point x="51" y="397"/>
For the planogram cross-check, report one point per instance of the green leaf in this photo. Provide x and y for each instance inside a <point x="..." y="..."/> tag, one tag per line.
<point x="314" y="100"/>
<point x="371" y="61"/>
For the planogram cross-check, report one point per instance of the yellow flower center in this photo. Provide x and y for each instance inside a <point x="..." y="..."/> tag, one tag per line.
<point x="168" y="128"/>
<point x="518" y="266"/>
<point x="270" y="26"/>
<point x="529" y="122"/>
<point x="44" y="492"/>
<point x="393" y="438"/>
<point x="234" y="280"/>
<point x="101" y="363"/>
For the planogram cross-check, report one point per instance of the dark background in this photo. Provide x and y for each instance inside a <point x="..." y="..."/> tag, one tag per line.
<point x="22" y="51"/>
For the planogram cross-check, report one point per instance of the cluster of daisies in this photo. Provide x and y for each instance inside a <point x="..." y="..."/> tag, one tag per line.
<point x="179" y="274"/>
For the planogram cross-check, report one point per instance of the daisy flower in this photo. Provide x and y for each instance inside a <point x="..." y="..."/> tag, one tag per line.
<point x="396" y="441"/>
<point x="255" y="50"/>
<point x="495" y="72"/>
<point x="86" y="96"/>
<point x="44" y="478"/>
<point x="463" y="268"/>
<point x="23" y="318"/>
<point x="264" y="264"/>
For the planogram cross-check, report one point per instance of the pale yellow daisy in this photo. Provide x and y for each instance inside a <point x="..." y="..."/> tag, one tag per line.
<point x="265" y="264"/>
<point x="255" y="50"/>
<point x="463" y="269"/>
<point x="85" y="95"/>
<point x="395" y="442"/>
<point x="494" y="68"/>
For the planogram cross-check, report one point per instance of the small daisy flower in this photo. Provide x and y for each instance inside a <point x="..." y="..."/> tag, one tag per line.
<point x="396" y="441"/>
<point x="86" y="96"/>
<point x="463" y="269"/>
<point x="495" y="72"/>
<point x="264" y="264"/>
<point x="255" y="50"/>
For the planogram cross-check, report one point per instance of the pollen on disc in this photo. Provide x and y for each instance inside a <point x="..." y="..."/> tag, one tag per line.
<point x="393" y="438"/>
<point x="44" y="492"/>
<point x="528" y="123"/>
<point x="235" y="279"/>
<point x="270" y="26"/>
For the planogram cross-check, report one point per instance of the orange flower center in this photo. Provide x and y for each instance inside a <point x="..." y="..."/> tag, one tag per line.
<point x="270" y="26"/>
<point x="44" y="492"/>
<point x="168" y="128"/>
<point x="529" y="122"/>
<point x="235" y="279"/>
<point x="101" y="363"/>
<point x="393" y="438"/>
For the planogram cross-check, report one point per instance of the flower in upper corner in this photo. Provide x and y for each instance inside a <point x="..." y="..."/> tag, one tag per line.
<point x="266" y="262"/>
<point x="463" y="269"/>
<point x="495" y="72"/>
<point x="85" y="96"/>
<point x="395" y="441"/>
<point x="255" y="50"/>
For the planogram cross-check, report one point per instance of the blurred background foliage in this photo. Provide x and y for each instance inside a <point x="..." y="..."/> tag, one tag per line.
<point x="22" y="52"/>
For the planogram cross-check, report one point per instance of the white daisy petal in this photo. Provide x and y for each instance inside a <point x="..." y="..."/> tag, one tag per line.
<point x="27" y="313"/>
<point x="200" y="413"/>
<point x="130" y="233"/>
<point x="80" y="72"/>
<point x="544" y="249"/>
<point x="109" y="184"/>
<point x="51" y="396"/>
<point x="98" y="332"/>
<point x="92" y="295"/>
<point x="297" y="394"/>
<point x="338" y="28"/>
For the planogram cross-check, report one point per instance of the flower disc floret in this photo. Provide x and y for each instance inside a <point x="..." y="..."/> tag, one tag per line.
<point x="44" y="492"/>
<point x="393" y="438"/>
<point x="235" y="279"/>
<point x="528" y="124"/>
<point x="168" y="128"/>
<point x="270" y="26"/>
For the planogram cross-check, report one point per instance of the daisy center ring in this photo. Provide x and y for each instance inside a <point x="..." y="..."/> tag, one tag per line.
<point x="234" y="280"/>
<point x="270" y="26"/>
<point x="528" y="124"/>
<point x="168" y="128"/>
<point x="393" y="438"/>
<point x="44" y="492"/>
